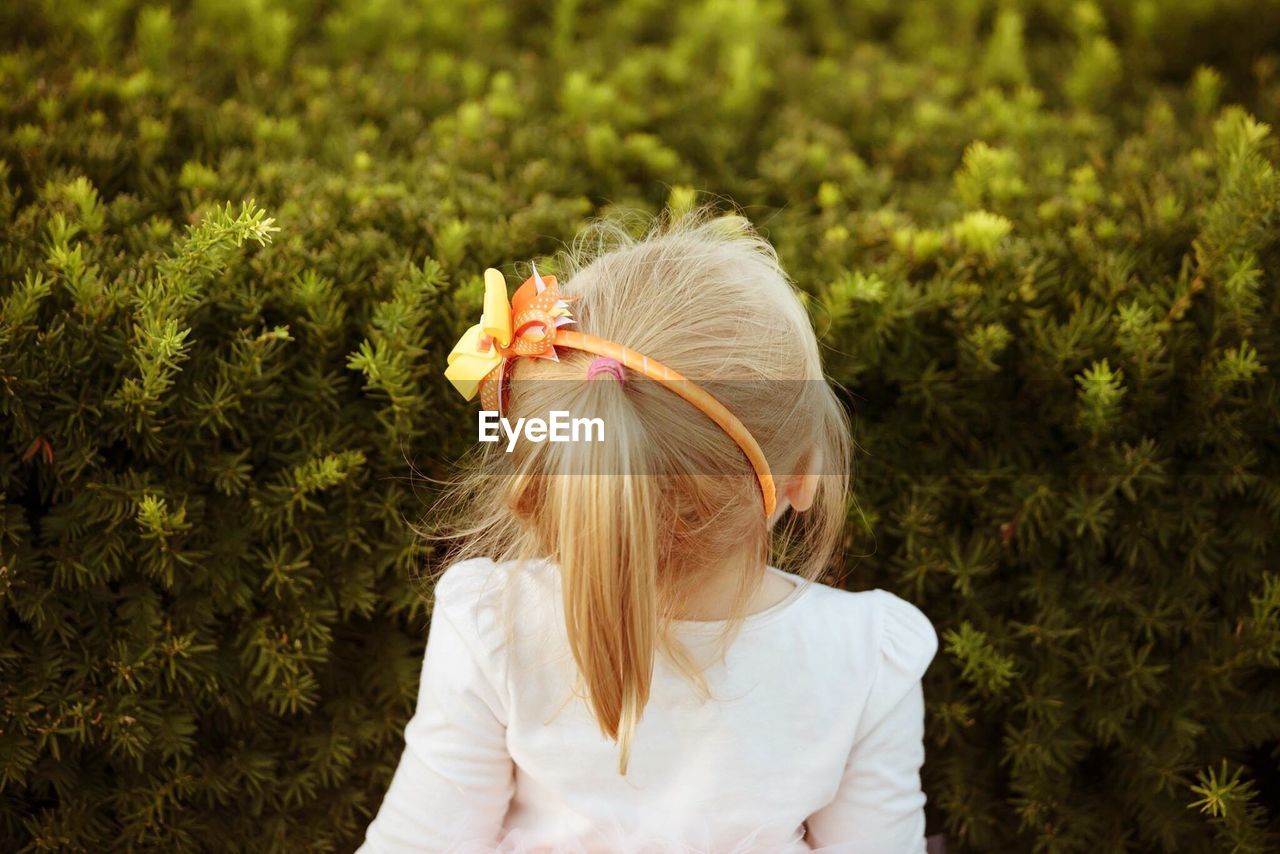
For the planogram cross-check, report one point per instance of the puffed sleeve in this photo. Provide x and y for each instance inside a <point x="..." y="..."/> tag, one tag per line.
<point x="455" y="778"/>
<point x="879" y="806"/>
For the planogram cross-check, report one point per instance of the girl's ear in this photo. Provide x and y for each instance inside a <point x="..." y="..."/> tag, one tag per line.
<point x="800" y="488"/>
<point x="521" y="498"/>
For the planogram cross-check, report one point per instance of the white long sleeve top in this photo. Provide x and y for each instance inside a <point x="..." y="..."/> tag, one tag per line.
<point x="813" y="737"/>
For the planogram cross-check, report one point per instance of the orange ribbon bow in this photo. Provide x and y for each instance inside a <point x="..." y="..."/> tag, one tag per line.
<point x="525" y="326"/>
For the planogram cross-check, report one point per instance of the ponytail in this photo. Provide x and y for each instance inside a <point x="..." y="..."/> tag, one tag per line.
<point x="605" y="504"/>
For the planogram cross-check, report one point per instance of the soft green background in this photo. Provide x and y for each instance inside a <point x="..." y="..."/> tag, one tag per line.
<point x="1038" y="239"/>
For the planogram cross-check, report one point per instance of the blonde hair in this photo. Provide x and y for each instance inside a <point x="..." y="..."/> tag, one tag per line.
<point x="631" y="521"/>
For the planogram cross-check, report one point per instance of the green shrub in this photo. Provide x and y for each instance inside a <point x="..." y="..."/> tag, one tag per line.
<point x="1037" y="237"/>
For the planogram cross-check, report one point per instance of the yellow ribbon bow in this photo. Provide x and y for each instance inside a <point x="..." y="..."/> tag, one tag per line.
<point x="525" y="326"/>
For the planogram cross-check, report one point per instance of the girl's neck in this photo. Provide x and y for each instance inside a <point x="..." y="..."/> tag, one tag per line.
<point x="712" y="597"/>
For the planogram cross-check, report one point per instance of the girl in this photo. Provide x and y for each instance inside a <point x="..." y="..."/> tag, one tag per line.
<point x="614" y="662"/>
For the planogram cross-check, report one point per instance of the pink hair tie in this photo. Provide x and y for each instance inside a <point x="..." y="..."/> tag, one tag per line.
<point x="605" y="365"/>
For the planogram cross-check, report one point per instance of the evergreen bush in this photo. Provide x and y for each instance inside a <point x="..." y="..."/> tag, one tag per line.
<point x="1038" y="238"/>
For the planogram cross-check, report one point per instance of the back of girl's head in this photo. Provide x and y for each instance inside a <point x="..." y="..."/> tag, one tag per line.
<point x="634" y="521"/>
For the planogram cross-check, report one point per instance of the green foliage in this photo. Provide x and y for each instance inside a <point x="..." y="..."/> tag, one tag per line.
<point x="1038" y="240"/>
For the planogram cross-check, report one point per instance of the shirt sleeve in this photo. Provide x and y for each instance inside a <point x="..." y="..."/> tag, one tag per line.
<point x="879" y="806"/>
<point x="455" y="778"/>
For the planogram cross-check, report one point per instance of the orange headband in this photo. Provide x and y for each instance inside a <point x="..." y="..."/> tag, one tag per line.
<point x="529" y="326"/>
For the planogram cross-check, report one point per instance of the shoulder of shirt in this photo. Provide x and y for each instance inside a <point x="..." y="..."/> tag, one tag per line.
<point x="465" y="583"/>
<point x="487" y="598"/>
<point x="875" y="624"/>
<point x="481" y="581"/>
<point x="468" y="595"/>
